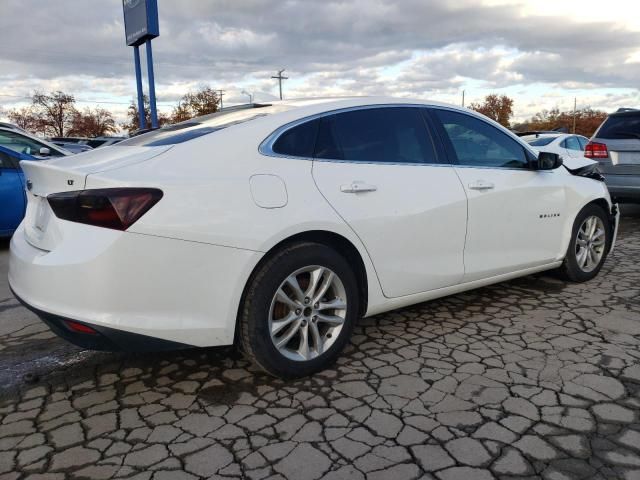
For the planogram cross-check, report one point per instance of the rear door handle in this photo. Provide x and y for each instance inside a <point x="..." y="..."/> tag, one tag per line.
<point x="358" y="187"/>
<point x="481" y="185"/>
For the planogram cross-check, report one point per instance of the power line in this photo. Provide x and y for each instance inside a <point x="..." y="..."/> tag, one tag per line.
<point x="80" y="100"/>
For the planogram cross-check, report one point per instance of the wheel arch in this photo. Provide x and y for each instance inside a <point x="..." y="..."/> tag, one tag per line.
<point x="337" y="242"/>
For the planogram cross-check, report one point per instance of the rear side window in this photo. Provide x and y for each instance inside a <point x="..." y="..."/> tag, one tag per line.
<point x="477" y="144"/>
<point x="375" y="135"/>
<point x="572" y="143"/>
<point x="583" y="142"/>
<point x="298" y="141"/>
<point x="620" y="127"/>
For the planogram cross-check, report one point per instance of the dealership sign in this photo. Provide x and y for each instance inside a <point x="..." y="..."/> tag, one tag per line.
<point x="140" y="21"/>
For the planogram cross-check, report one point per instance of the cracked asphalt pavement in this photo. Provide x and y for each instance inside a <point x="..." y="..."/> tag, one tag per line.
<point x="533" y="378"/>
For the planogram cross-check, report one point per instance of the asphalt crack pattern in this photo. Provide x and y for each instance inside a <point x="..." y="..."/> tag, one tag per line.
<point x="534" y="378"/>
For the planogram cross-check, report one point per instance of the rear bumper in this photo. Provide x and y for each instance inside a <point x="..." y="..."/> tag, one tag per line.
<point x="132" y="285"/>
<point x="623" y="188"/>
<point x="104" y="339"/>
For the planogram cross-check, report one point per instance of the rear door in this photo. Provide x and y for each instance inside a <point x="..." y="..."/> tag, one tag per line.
<point x="379" y="169"/>
<point x="516" y="214"/>
<point x="12" y="198"/>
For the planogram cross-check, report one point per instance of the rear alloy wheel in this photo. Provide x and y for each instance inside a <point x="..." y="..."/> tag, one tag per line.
<point x="589" y="245"/>
<point x="299" y="310"/>
<point x="307" y="313"/>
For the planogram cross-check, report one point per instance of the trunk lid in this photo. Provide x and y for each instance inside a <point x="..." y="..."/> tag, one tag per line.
<point x="41" y="226"/>
<point x="624" y="156"/>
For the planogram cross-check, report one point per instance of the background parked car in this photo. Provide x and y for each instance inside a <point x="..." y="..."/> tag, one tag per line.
<point x="12" y="197"/>
<point x="95" y="142"/>
<point x="73" y="147"/>
<point x="616" y="146"/>
<point x="563" y="144"/>
<point x="23" y="142"/>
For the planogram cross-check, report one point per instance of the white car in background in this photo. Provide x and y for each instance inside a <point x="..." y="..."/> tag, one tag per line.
<point x="568" y="146"/>
<point x="278" y="226"/>
<point x="20" y="141"/>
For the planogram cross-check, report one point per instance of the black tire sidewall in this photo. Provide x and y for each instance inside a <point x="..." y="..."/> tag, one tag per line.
<point x="573" y="270"/>
<point x="263" y="289"/>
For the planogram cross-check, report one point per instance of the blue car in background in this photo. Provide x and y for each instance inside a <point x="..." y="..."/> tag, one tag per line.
<point x="13" y="200"/>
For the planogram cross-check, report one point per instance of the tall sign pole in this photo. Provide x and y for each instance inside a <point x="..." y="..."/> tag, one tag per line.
<point x="141" y="26"/>
<point x="141" y="116"/>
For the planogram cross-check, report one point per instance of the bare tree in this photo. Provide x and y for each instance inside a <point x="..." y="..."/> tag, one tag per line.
<point x="132" y="124"/>
<point x="93" y="123"/>
<point x="26" y="118"/>
<point x="56" y="111"/>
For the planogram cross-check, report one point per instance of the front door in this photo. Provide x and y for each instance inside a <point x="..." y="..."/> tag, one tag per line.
<point x="12" y="199"/>
<point x="378" y="169"/>
<point x="516" y="214"/>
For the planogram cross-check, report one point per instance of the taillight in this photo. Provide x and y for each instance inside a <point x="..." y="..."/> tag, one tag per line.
<point x="115" y="208"/>
<point x="596" y="150"/>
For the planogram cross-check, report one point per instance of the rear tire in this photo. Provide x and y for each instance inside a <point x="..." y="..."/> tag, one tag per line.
<point x="589" y="245"/>
<point x="299" y="310"/>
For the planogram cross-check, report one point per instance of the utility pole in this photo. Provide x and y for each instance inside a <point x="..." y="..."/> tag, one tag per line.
<point x="463" y="98"/>
<point x="575" y="107"/>
<point x="220" y="95"/>
<point x="280" y="77"/>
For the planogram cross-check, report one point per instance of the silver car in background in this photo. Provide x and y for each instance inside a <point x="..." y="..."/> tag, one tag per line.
<point x="616" y="146"/>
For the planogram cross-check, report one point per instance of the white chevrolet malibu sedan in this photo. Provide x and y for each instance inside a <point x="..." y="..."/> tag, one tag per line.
<point x="277" y="226"/>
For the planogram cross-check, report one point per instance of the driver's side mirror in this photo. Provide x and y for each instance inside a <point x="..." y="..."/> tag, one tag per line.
<point x="548" y="161"/>
<point x="45" y="152"/>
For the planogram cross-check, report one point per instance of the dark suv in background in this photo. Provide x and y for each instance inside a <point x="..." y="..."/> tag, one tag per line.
<point x="616" y="146"/>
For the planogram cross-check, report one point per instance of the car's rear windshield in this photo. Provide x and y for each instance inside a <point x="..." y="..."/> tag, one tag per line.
<point x="539" y="141"/>
<point x="623" y="126"/>
<point x="196" y="127"/>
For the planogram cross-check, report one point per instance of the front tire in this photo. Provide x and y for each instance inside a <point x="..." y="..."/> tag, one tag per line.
<point x="589" y="246"/>
<point x="299" y="310"/>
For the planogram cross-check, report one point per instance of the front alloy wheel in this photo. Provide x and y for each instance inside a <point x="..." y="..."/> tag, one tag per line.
<point x="299" y="310"/>
<point x="590" y="242"/>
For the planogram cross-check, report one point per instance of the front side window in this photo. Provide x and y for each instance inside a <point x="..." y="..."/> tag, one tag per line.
<point x="476" y="143"/>
<point x="375" y="135"/>
<point x="6" y="162"/>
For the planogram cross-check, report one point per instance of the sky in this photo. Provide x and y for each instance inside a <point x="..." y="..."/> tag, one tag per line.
<point x="541" y="53"/>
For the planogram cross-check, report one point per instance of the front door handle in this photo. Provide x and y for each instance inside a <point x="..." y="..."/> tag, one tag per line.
<point x="481" y="185"/>
<point x="358" y="187"/>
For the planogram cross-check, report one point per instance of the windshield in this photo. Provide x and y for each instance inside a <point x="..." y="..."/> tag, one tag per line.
<point x="539" y="141"/>
<point x="196" y="127"/>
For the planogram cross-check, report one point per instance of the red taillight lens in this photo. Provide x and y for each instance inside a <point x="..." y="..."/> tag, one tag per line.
<point x="80" y="328"/>
<point x="115" y="208"/>
<point x="596" y="150"/>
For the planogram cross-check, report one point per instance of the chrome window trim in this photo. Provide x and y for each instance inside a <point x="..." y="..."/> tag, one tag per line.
<point x="266" y="147"/>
